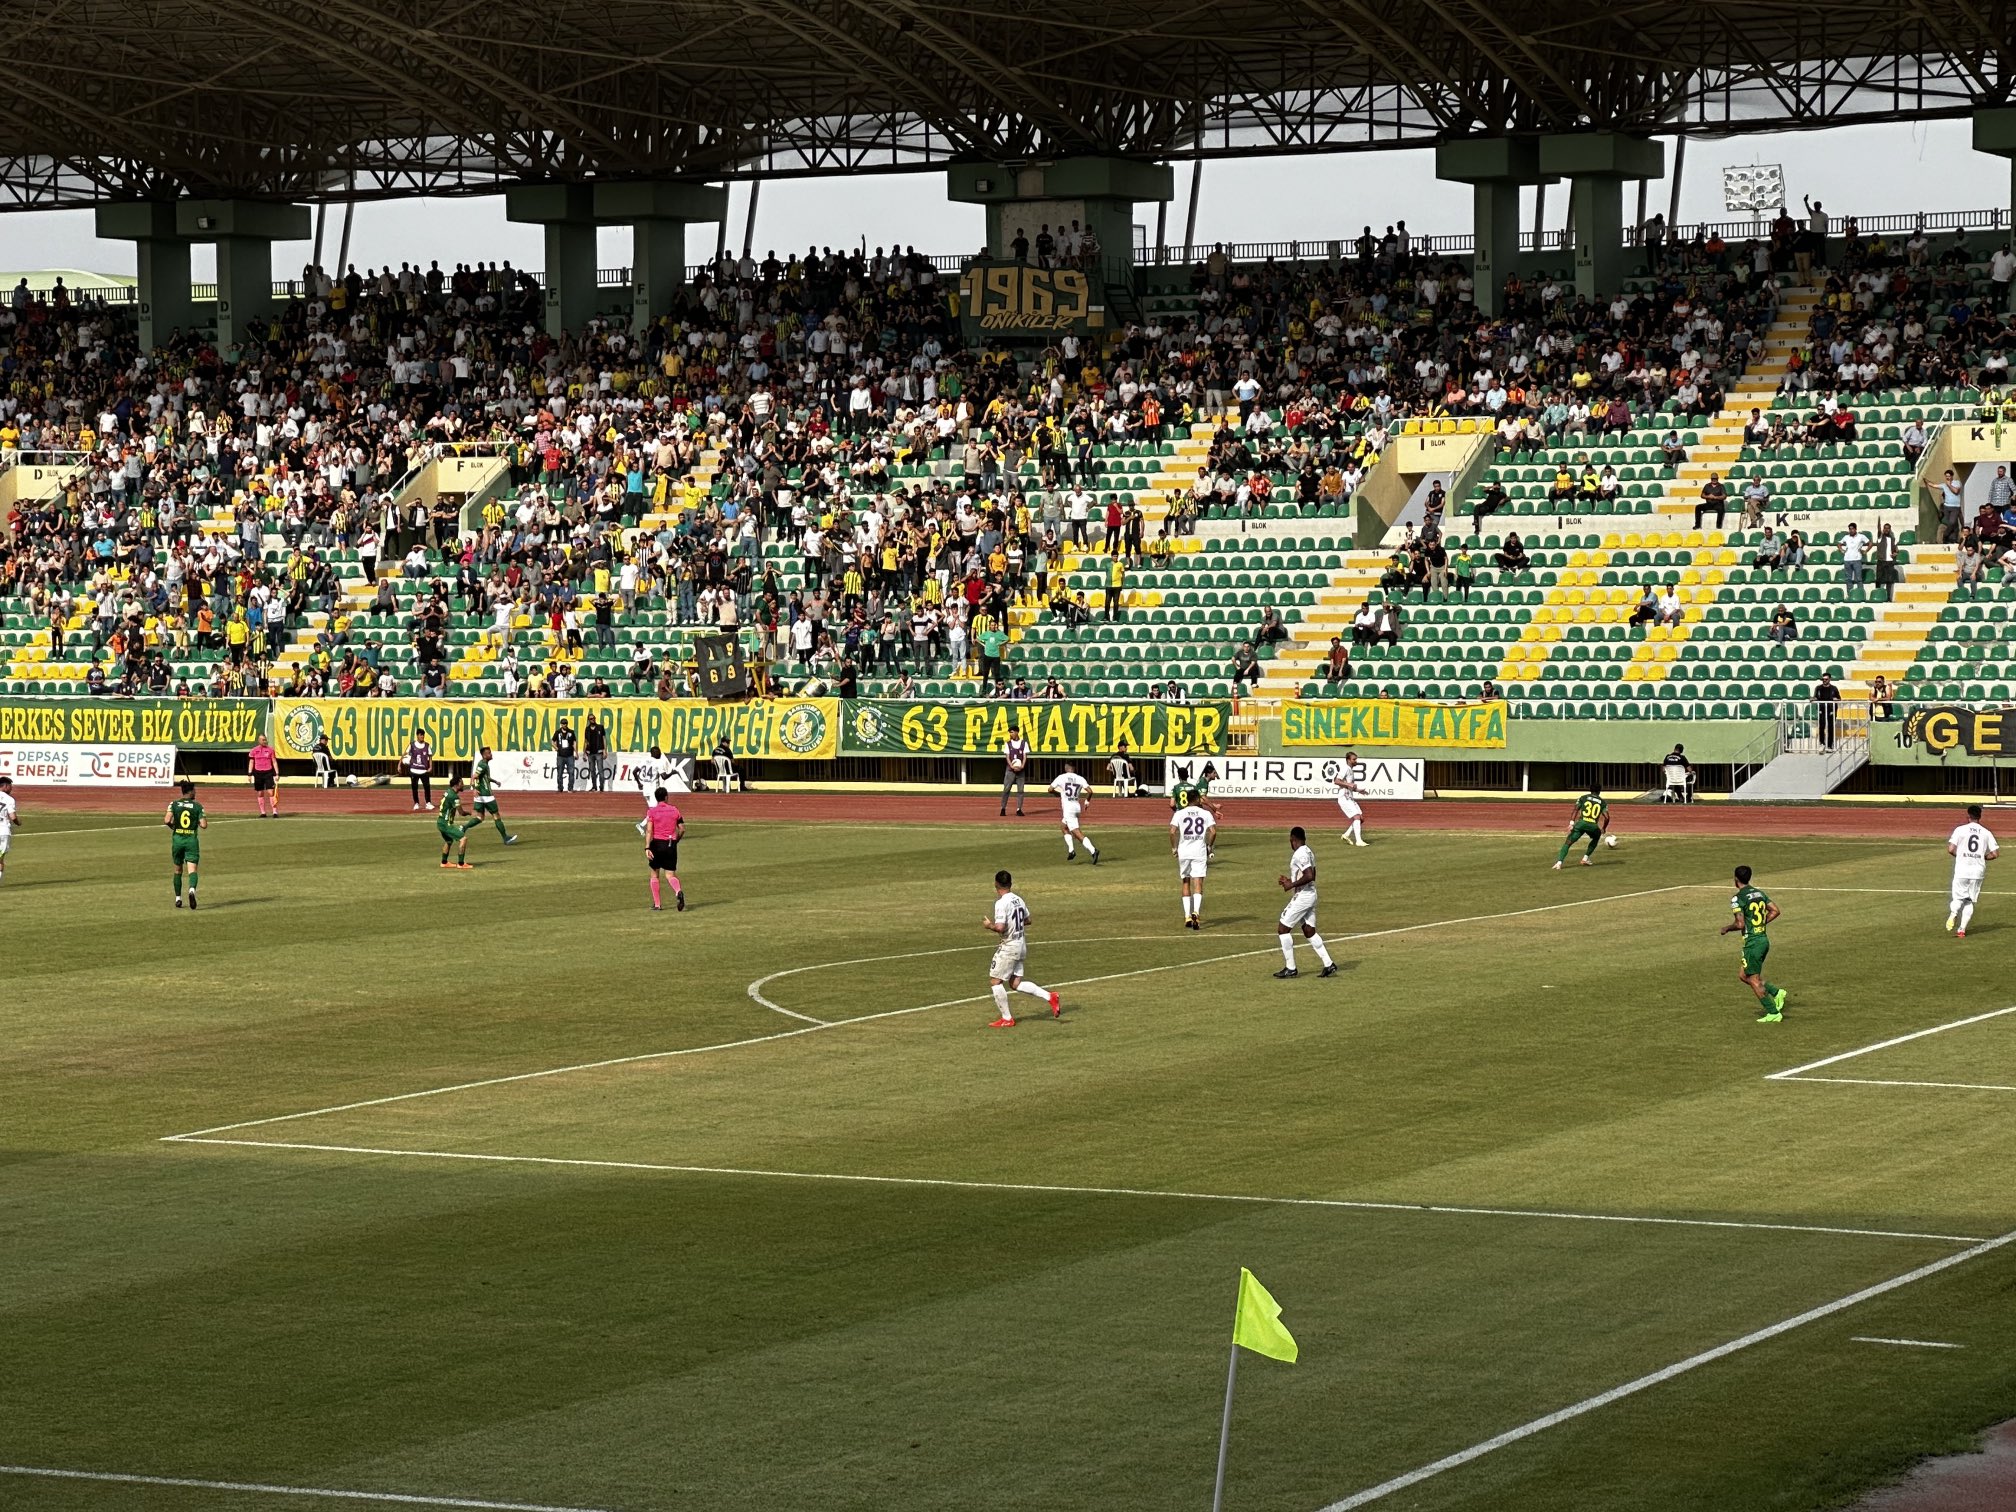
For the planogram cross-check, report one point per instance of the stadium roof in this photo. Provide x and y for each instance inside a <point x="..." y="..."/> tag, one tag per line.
<point x="376" y="98"/>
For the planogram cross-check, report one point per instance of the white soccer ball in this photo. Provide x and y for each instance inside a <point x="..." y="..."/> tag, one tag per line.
<point x="1610" y="840"/>
<point x="350" y="780"/>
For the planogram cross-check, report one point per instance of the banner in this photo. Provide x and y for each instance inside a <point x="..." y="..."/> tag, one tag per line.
<point x="1393" y="722"/>
<point x="1310" y="777"/>
<point x="1061" y="727"/>
<point x="1943" y="728"/>
<point x="539" y="772"/>
<point x="194" y="724"/>
<point x="380" y="729"/>
<point x="719" y="664"/>
<point x="89" y="765"/>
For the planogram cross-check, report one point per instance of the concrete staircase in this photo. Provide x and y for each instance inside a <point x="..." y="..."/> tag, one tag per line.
<point x="1720" y="448"/>
<point x="1925" y="585"/>
<point x="1298" y="660"/>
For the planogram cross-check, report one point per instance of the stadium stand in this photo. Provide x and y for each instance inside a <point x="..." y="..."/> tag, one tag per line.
<point x="408" y="487"/>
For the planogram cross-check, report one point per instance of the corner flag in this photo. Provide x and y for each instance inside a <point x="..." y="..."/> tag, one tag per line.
<point x="1257" y="1325"/>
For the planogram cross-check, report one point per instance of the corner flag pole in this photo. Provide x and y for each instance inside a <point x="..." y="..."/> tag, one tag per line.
<point x="1225" y="1433"/>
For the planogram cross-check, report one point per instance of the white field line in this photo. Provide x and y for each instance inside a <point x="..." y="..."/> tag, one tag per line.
<point x="1052" y="1189"/>
<point x="1798" y="1073"/>
<point x="869" y="1018"/>
<point x="404" y="1498"/>
<point x="1879" y="1081"/>
<point x="755" y="988"/>
<point x="1659" y="1377"/>
<point x="1906" y="1343"/>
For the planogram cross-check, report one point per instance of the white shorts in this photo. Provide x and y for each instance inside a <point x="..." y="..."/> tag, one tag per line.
<point x="1301" y="910"/>
<point x="486" y="800"/>
<point x="6" y="839"/>
<point x="1351" y="808"/>
<point x="1965" y="889"/>
<point x="1009" y="959"/>
<point x="1071" y="809"/>
<point x="1190" y="871"/>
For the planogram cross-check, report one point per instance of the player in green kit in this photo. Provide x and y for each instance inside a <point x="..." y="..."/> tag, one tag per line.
<point x="486" y="798"/>
<point x="1754" y="915"/>
<point x="186" y="824"/>
<point x="1196" y="792"/>
<point x="1592" y="819"/>
<point x="454" y="834"/>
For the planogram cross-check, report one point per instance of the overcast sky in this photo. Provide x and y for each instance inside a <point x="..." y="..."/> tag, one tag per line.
<point x="1863" y="170"/>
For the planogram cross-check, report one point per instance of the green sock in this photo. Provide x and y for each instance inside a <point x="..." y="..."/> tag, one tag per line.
<point x="178" y="884"/>
<point x="1770" y="993"/>
<point x="500" y="827"/>
<point x="1564" y="853"/>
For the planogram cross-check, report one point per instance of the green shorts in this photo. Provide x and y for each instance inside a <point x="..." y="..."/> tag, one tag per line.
<point x="184" y="849"/>
<point x="486" y="800"/>
<point x="1582" y="830"/>
<point x="451" y="832"/>
<point x="1755" y="948"/>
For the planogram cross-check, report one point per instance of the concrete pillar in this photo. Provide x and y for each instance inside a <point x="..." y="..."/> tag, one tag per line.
<point x="162" y="256"/>
<point x="567" y="211"/>
<point x="1099" y="193"/>
<point x="1496" y="168"/>
<point x="1995" y="134"/>
<point x="244" y="231"/>
<point x="658" y="214"/>
<point x="1596" y="166"/>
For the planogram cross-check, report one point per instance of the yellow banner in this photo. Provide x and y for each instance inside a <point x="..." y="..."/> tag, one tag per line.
<point x="380" y="729"/>
<point x="1393" y="722"/>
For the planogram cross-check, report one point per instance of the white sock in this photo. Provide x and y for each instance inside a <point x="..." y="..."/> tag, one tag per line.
<point x="1966" y="913"/>
<point x="1090" y="848"/>
<point x="1070" y="846"/>
<point x="1033" y="990"/>
<point x="1197" y="905"/>
<point x="1316" y="944"/>
<point x="1001" y="1001"/>
<point x="1357" y="831"/>
<point x="1287" y="949"/>
<point x="1189" y="905"/>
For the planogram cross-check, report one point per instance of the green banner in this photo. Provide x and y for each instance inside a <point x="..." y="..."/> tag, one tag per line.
<point x="193" y="724"/>
<point x="380" y="729"/>
<point x="1063" y="727"/>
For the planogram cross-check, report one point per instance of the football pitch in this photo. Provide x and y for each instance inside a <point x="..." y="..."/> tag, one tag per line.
<point x="497" y="1188"/>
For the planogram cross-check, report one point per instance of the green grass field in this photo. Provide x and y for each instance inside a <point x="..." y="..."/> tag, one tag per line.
<point x="909" y="1262"/>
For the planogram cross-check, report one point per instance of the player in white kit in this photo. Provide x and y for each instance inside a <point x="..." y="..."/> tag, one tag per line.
<point x="1972" y="848"/>
<point x="9" y="817"/>
<point x="1190" y="833"/>
<point x="1350" y="786"/>
<point x="1004" y="974"/>
<point x="650" y="773"/>
<point x="1300" y="885"/>
<point x="1074" y="793"/>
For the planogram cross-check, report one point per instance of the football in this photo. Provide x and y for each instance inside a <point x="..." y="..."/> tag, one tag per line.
<point x="1610" y="840"/>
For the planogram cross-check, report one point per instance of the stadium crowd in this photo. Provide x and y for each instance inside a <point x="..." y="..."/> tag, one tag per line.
<point x="924" y="484"/>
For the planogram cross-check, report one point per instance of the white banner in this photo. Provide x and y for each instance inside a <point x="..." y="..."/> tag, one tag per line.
<point x="89" y="765"/>
<point x="538" y="772"/>
<point x="1303" y="777"/>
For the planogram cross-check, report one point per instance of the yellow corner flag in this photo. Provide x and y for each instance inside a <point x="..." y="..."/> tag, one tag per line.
<point x="1258" y="1324"/>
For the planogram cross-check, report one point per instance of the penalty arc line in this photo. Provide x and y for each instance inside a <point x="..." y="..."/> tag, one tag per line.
<point x="400" y="1497"/>
<point x="1054" y="1189"/>
<point x="868" y="1018"/>
<point x="1659" y="1377"/>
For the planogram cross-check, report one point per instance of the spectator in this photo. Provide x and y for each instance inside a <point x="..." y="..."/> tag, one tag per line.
<point x="1886" y="562"/>
<point x="1364" y="623"/>
<point x="1826" y="704"/>
<point x="564" y="750"/>
<point x="1489" y="502"/>
<point x="1679" y="773"/>
<point x="1337" y="666"/>
<point x="1272" y="631"/>
<point x="1647" y="608"/>
<point x="1881" y="699"/>
<point x="1854" y="547"/>
<point x="1669" y="605"/>
<point x="1951" y="502"/>
<point x="1784" y="626"/>
<point x="1714" y="497"/>
<point x="1913" y="441"/>
<point x="1968" y="570"/>
<point x="1770" y="548"/>
<point x="1511" y="557"/>
<point x="595" y="746"/>
<point x="1389" y="624"/>
<point x="1245" y="667"/>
